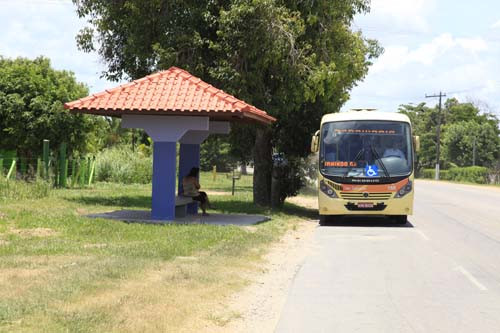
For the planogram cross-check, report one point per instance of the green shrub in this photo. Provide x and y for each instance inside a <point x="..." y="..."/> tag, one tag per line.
<point x="427" y="173"/>
<point x="431" y="174"/>
<point x="7" y="156"/>
<point x="474" y="174"/>
<point x="18" y="190"/>
<point x="122" y="165"/>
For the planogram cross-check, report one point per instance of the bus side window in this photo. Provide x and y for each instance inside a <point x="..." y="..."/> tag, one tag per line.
<point x="330" y="156"/>
<point x="330" y="150"/>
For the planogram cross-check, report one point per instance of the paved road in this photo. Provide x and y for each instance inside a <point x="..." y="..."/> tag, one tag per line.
<point x="439" y="273"/>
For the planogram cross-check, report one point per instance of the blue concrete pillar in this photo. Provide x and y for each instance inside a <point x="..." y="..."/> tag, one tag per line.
<point x="189" y="157"/>
<point x="164" y="167"/>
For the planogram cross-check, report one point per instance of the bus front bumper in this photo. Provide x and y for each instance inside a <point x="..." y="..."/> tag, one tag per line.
<point x="338" y="206"/>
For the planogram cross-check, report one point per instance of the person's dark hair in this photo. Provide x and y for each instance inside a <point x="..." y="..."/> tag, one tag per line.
<point x="194" y="172"/>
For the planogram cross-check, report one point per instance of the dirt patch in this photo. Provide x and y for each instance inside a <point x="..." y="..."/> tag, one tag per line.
<point x="36" y="232"/>
<point x="15" y="274"/>
<point x="171" y="297"/>
<point x="4" y="242"/>
<point x="19" y="275"/>
<point x="251" y="228"/>
<point x="95" y="246"/>
<point x="42" y="261"/>
<point x="304" y="201"/>
<point x="81" y="211"/>
<point x="258" y="307"/>
<point x="218" y="193"/>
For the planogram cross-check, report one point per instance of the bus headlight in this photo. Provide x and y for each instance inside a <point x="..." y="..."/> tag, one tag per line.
<point x="404" y="190"/>
<point x="327" y="190"/>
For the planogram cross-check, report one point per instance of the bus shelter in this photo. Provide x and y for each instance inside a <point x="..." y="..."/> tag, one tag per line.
<point x="172" y="106"/>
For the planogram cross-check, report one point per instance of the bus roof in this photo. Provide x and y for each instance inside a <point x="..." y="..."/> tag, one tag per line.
<point x="365" y="115"/>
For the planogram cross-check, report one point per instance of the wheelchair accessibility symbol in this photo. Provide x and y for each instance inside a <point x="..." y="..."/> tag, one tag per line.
<point x="371" y="171"/>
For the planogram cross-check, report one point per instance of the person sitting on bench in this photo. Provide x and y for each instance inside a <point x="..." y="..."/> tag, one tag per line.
<point x="191" y="188"/>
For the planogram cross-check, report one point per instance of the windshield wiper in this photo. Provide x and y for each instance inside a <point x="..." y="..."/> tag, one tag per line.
<point x="377" y="156"/>
<point x="355" y="159"/>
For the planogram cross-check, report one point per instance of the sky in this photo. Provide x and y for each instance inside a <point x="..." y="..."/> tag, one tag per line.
<point x="430" y="46"/>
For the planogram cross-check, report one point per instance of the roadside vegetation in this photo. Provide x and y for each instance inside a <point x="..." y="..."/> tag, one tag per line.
<point x="469" y="144"/>
<point x="120" y="164"/>
<point x="474" y="174"/>
<point x="61" y="271"/>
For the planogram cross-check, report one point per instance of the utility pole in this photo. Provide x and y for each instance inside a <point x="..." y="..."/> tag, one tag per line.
<point x="474" y="152"/>
<point x="438" y="131"/>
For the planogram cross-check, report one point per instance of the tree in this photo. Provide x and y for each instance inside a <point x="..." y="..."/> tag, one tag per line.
<point x="460" y="139"/>
<point x="463" y="127"/>
<point x="424" y="120"/>
<point x="215" y="151"/>
<point x="32" y="95"/>
<point x="242" y="138"/>
<point x="295" y="59"/>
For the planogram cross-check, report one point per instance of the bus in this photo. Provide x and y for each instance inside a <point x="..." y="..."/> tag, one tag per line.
<point x="365" y="165"/>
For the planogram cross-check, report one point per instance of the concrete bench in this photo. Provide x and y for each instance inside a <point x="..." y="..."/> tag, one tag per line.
<point x="181" y="203"/>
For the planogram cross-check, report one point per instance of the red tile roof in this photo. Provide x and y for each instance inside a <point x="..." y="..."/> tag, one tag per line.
<point x="170" y="92"/>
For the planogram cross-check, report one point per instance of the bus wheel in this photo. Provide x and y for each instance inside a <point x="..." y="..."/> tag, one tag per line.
<point x="323" y="219"/>
<point x="401" y="219"/>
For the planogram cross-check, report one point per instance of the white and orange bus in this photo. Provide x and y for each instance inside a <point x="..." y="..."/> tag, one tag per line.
<point x="365" y="165"/>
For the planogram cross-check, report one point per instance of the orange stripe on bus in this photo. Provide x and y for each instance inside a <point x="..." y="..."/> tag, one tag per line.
<point x="374" y="188"/>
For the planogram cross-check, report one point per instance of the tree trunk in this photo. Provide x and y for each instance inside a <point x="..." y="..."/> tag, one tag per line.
<point x="263" y="166"/>
<point x="276" y="188"/>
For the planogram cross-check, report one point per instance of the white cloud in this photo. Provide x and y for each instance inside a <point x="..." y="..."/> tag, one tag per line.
<point x="34" y="28"/>
<point x="404" y="13"/>
<point x="445" y="45"/>
<point x="495" y="25"/>
<point x="473" y="44"/>
<point x="428" y="52"/>
<point x="394" y="57"/>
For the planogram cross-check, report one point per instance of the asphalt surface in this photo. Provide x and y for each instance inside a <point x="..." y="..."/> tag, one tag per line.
<point x="438" y="273"/>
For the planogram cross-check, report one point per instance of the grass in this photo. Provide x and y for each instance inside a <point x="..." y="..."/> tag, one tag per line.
<point x="60" y="271"/>
<point x="223" y="182"/>
<point x="16" y="190"/>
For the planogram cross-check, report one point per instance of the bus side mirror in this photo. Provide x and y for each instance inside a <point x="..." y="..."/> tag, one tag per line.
<point x="416" y="142"/>
<point x="315" y="142"/>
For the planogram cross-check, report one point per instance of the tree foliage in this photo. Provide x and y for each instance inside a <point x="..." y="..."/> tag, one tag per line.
<point x="32" y="95"/>
<point x="295" y="59"/>
<point x="461" y="138"/>
<point x="463" y="127"/>
<point x="215" y="152"/>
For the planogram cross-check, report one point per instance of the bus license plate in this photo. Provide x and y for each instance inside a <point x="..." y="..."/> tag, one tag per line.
<point x="365" y="205"/>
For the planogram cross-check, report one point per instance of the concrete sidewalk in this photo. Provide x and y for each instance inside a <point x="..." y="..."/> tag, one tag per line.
<point x="144" y="216"/>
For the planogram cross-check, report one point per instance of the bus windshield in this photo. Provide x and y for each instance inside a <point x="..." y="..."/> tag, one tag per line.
<point x="366" y="149"/>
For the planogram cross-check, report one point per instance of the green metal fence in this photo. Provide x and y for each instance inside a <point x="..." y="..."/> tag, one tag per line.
<point x="53" y="166"/>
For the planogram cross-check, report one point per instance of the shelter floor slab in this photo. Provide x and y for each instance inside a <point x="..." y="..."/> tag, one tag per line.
<point x="144" y="216"/>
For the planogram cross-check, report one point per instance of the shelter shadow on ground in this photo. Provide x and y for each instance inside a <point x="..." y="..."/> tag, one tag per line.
<point x="141" y="201"/>
<point x="238" y="206"/>
<point x="367" y="221"/>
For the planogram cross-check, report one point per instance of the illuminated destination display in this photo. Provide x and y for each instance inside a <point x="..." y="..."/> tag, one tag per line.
<point x="340" y="164"/>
